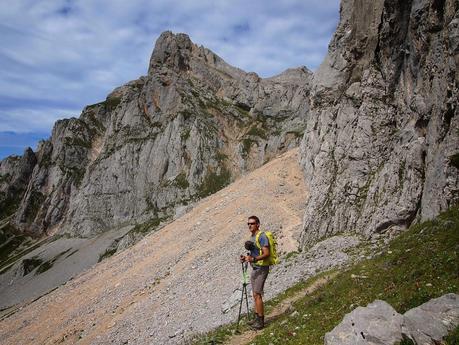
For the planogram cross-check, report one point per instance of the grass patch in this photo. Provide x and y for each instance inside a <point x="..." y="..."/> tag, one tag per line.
<point x="181" y="181"/>
<point x="140" y="229"/>
<point x="75" y="141"/>
<point x="9" y="203"/>
<point x="291" y="255"/>
<point x="453" y="337"/>
<point x="111" y="103"/>
<point x="5" y="178"/>
<point x="35" y="202"/>
<point x="220" y="157"/>
<point x="185" y="134"/>
<point x="109" y="252"/>
<point x="247" y="145"/>
<point x="10" y="243"/>
<point x="258" y="132"/>
<point x="213" y="182"/>
<point x="148" y="226"/>
<point x="454" y="160"/>
<point x="30" y="264"/>
<point x="48" y="264"/>
<point x="419" y="265"/>
<point x="23" y="249"/>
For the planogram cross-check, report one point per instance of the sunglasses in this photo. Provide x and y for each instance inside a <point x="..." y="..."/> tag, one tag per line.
<point x="251" y="224"/>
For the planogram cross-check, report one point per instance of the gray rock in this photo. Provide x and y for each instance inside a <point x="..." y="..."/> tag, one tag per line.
<point x="383" y="120"/>
<point x="430" y="322"/>
<point x="377" y="323"/>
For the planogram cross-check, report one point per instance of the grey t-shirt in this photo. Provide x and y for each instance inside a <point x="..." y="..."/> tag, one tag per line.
<point x="264" y="242"/>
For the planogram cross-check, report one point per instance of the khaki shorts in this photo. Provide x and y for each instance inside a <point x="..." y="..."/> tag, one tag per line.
<point x="258" y="278"/>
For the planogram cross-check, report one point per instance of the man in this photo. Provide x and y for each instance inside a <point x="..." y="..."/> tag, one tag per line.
<point x="259" y="269"/>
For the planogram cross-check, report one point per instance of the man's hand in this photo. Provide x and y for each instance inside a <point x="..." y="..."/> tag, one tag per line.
<point x="247" y="258"/>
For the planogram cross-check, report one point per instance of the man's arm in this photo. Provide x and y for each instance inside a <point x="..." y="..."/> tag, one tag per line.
<point x="264" y="255"/>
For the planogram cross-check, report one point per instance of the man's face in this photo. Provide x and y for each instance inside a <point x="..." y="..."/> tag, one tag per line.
<point x="253" y="226"/>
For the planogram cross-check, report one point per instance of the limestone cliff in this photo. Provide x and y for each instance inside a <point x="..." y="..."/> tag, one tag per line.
<point x="182" y="132"/>
<point x="381" y="145"/>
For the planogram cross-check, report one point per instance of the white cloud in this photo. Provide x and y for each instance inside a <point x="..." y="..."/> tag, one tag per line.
<point x="59" y="55"/>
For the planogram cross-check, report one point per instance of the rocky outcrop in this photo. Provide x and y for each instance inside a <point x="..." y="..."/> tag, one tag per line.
<point x="379" y="323"/>
<point x="15" y="173"/>
<point x="156" y="144"/>
<point x="381" y="146"/>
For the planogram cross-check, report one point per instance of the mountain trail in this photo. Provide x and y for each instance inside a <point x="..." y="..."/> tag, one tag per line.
<point x="281" y="309"/>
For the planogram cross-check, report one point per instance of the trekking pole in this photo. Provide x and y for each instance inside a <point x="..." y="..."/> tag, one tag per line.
<point x="245" y="282"/>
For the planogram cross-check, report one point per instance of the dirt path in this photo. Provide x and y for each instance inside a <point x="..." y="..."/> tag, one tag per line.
<point x="280" y="310"/>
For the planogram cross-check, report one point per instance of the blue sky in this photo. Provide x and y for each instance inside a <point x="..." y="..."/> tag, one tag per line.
<point x="57" y="56"/>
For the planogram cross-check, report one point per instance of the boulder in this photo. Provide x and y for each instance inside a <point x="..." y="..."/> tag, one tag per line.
<point x="430" y="322"/>
<point x="377" y="323"/>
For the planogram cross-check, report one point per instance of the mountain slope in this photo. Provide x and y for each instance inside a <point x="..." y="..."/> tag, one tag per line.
<point x="175" y="278"/>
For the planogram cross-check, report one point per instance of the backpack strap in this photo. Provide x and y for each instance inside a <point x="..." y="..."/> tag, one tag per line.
<point x="257" y="242"/>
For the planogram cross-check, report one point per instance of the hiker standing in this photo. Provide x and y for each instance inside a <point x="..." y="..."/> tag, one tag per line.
<point x="258" y="257"/>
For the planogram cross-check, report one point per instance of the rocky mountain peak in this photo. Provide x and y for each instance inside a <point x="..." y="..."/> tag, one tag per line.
<point x="172" y="51"/>
<point x="159" y="143"/>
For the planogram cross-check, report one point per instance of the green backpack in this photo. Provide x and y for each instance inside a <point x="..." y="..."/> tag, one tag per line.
<point x="272" y="259"/>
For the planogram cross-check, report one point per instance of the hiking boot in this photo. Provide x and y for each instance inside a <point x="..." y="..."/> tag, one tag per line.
<point x="252" y="321"/>
<point x="259" y="323"/>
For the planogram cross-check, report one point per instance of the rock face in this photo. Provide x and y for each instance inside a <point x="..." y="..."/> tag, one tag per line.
<point x="379" y="323"/>
<point x="381" y="146"/>
<point x="182" y="132"/>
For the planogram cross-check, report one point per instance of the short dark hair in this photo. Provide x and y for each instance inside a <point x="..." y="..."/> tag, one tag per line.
<point x="255" y="218"/>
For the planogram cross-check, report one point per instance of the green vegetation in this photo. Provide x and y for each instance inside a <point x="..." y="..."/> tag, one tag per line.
<point x="297" y="134"/>
<point x="35" y="201"/>
<point x="112" y="102"/>
<point x="10" y="243"/>
<point x="109" y="252"/>
<point x="19" y="246"/>
<point x="246" y="145"/>
<point x="454" y="160"/>
<point x="220" y="157"/>
<point x="401" y="172"/>
<point x="405" y="341"/>
<point x="30" y="264"/>
<point x="214" y="181"/>
<point x="77" y="142"/>
<point x="417" y="266"/>
<point x="258" y="132"/>
<point x="181" y="181"/>
<point x="243" y="109"/>
<point x="148" y="226"/>
<point x="9" y="203"/>
<point x="290" y="255"/>
<point x="48" y="264"/>
<point x="140" y="229"/>
<point x="5" y="178"/>
<point x="453" y="337"/>
<point x="185" y="134"/>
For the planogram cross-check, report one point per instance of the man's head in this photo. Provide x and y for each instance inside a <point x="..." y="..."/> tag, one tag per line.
<point x="254" y="224"/>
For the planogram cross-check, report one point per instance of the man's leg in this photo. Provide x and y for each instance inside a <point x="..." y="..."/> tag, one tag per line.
<point x="259" y="309"/>
<point x="258" y="281"/>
